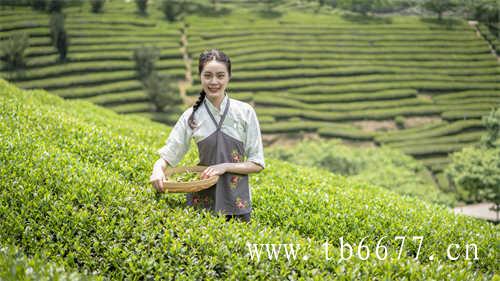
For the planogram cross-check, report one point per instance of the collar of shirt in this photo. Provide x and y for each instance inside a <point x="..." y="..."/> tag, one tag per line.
<point x="214" y="109"/>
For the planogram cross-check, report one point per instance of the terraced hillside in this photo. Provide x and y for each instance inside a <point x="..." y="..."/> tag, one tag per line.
<point x="75" y="203"/>
<point x="403" y="82"/>
<point x="100" y="67"/>
<point x="359" y="80"/>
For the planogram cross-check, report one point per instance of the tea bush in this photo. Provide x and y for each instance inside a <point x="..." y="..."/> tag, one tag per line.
<point x="14" y="265"/>
<point x="74" y="191"/>
<point x="384" y="167"/>
<point x="475" y="170"/>
<point x="476" y="174"/>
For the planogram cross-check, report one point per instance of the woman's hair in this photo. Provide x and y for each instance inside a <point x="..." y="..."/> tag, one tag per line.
<point x="206" y="57"/>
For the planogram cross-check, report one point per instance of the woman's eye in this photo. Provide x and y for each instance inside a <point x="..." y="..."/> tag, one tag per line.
<point x="220" y="76"/>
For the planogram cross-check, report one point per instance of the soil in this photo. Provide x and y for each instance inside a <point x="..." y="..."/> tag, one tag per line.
<point x="425" y="97"/>
<point x="411" y="122"/>
<point x="373" y="126"/>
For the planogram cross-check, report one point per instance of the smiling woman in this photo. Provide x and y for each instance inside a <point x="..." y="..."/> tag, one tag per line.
<point x="229" y="141"/>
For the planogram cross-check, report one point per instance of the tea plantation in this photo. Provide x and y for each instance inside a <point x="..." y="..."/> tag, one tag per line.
<point x="100" y="67"/>
<point x="329" y="75"/>
<point x="75" y="203"/>
<point x="383" y="167"/>
<point x="406" y="82"/>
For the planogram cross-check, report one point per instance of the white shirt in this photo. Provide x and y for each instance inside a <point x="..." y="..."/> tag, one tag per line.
<point x="240" y="123"/>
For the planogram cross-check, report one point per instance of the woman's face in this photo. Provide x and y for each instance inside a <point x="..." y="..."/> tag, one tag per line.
<point x="214" y="79"/>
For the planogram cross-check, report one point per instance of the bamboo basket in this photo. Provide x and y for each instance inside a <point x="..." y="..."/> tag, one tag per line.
<point x="192" y="186"/>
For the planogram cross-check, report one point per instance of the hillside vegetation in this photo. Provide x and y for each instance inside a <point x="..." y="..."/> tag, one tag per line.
<point x="74" y="193"/>
<point x="415" y="84"/>
<point x="100" y="66"/>
<point x="383" y="167"/>
<point x="330" y="74"/>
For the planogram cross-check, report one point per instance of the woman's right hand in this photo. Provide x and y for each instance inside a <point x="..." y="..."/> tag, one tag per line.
<point x="158" y="175"/>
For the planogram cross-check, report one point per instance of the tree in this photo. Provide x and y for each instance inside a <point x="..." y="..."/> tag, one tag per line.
<point x="145" y="58"/>
<point x="492" y="123"/>
<point x="172" y="9"/>
<point x="56" y="23"/>
<point x="331" y="3"/>
<point x="439" y="6"/>
<point x="357" y="6"/>
<point x="62" y="45"/>
<point x="55" y="6"/>
<point x="161" y="92"/>
<point x="272" y="3"/>
<point x="13" y="51"/>
<point x="158" y="87"/>
<point x="96" y="6"/>
<point x="475" y="171"/>
<point x="38" y="5"/>
<point x="142" y="6"/>
<point x="361" y="6"/>
<point x="488" y="12"/>
<point x="58" y="35"/>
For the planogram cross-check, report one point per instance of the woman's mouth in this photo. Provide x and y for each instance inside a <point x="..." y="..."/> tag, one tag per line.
<point x="213" y="89"/>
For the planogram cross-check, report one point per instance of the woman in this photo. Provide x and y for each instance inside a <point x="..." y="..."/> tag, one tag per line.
<point x="229" y="142"/>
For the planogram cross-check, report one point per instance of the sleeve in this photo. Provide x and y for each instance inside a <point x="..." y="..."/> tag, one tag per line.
<point x="178" y="141"/>
<point x="253" y="141"/>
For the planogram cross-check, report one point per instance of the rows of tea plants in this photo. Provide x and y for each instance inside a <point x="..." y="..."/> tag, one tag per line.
<point x="100" y="64"/>
<point x="308" y="74"/>
<point x="384" y="167"/>
<point x="296" y="67"/>
<point x="75" y="193"/>
<point x="432" y="143"/>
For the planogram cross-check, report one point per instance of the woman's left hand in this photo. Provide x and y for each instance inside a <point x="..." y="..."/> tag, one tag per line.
<point x="215" y="170"/>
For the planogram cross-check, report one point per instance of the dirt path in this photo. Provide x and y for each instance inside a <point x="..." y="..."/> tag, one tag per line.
<point x="481" y="211"/>
<point x="473" y="24"/>
<point x="188" y="78"/>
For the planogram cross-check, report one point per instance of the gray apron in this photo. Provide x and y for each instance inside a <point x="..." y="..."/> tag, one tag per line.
<point x="231" y="194"/>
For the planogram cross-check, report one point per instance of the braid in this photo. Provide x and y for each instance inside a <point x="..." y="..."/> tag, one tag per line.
<point x="191" y="122"/>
